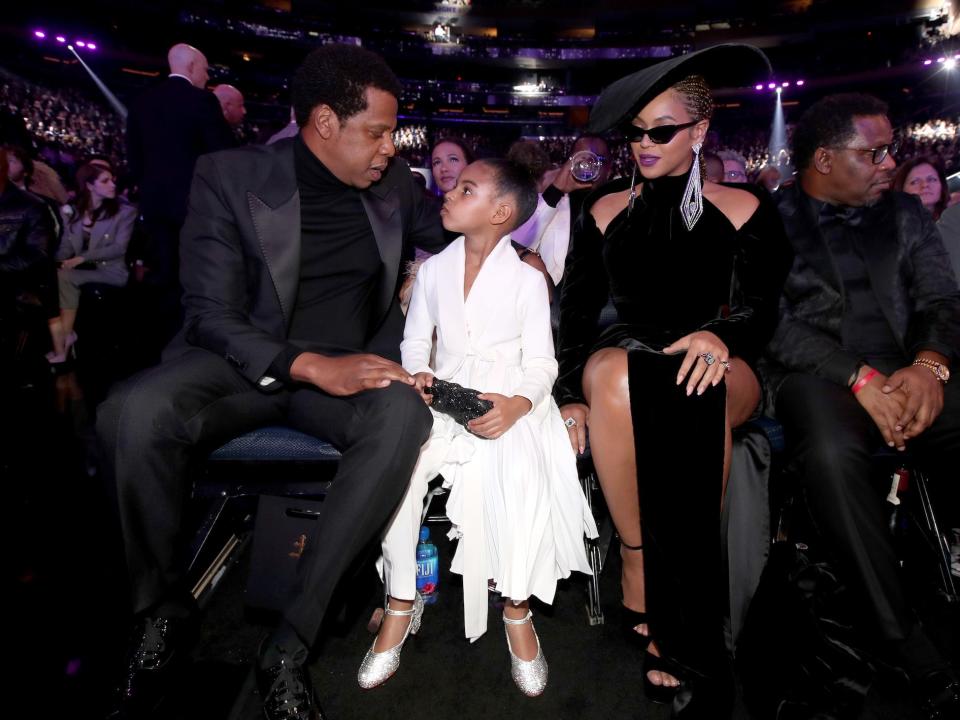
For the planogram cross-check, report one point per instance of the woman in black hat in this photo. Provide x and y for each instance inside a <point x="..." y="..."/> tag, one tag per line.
<point x="695" y="271"/>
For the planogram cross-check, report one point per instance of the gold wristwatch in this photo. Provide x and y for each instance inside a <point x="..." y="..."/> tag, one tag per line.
<point x="939" y="370"/>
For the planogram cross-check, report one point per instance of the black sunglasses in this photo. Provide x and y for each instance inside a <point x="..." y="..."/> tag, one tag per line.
<point x="660" y="135"/>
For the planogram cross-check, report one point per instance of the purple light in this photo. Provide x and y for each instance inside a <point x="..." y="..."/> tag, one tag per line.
<point x="758" y="87"/>
<point x="91" y="46"/>
<point x="61" y="39"/>
<point x="771" y="86"/>
<point x="928" y="61"/>
<point x="786" y="84"/>
<point x="39" y="34"/>
<point x="940" y="60"/>
<point x="81" y="43"/>
<point x="800" y="82"/>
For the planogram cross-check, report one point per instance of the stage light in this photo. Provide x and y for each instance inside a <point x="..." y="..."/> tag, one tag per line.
<point x="941" y="60"/>
<point x="39" y="34"/>
<point x="81" y="43"/>
<point x="91" y="46"/>
<point x="786" y="84"/>
<point x="70" y="48"/>
<point x="61" y="39"/>
<point x="800" y="82"/>
<point x="771" y="86"/>
<point x="950" y="64"/>
<point x="928" y="61"/>
<point x="779" y="90"/>
<point x="758" y="87"/>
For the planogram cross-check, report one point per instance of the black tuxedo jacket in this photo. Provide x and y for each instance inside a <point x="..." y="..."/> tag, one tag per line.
<point x="168" y="128"/>
<point x="240" y="254"/>
<point x="911" y="277"/>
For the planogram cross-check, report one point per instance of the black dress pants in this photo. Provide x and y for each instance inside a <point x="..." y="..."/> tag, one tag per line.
<point x="831" y="441"/>
<point x="155" y="424"/>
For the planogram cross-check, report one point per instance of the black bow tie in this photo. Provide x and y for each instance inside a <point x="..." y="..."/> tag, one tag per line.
<point x="842" y="214"/>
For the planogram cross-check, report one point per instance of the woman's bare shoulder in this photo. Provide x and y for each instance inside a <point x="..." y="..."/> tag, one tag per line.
<point x="608" y="207"/>
<point x="738" y="205"/>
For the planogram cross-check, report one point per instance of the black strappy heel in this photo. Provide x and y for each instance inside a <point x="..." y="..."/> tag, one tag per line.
<point x="660" y="694"/>
<point x="631" y="618"/>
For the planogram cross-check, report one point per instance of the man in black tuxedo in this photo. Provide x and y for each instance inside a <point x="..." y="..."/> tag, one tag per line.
<point x="291" y="261"/>
<point x="869" y="331"/>
<point x="169" y="127"/>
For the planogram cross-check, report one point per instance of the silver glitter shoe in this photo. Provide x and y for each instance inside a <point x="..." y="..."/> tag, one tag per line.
<point x="377" y="667"/>
<point x="529" y="675"/>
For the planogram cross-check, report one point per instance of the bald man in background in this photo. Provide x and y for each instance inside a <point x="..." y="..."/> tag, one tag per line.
<point x="233" y="107"/>
<point x="169" y="127"/>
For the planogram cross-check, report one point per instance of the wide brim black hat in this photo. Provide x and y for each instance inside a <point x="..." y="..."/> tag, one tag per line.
<point x="726" y="65"/>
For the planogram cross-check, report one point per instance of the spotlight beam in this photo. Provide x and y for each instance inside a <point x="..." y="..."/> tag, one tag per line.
<point x="111" y="98"/>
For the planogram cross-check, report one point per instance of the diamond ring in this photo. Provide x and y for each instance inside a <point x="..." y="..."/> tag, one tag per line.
<point x="570" y="422"/>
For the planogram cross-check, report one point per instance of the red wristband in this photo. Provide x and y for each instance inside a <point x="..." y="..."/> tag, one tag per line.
<point x="859" y="384"/>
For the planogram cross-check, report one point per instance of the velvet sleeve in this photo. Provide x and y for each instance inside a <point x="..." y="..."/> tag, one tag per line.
<point x="586" y="289"/>
<point x="763" y="257"/>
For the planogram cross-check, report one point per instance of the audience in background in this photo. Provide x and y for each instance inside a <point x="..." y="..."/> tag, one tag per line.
<point x="924" y="177"/>
<point x="97" y="231"/>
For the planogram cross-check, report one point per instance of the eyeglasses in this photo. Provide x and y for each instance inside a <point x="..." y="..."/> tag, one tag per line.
<point x="735" y="174"/>
<point x="880" y="152"/>
<point x="660" y="135"/>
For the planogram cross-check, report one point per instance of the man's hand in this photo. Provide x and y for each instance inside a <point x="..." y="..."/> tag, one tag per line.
<point x="564" y="180"/>
<point x="578" y="431"/>
<point x="885" y="408"/>
<point x="924" y="401"/>
<point x="348" y="374"/>
<point x="501" y="417"/>
<point x="423" y="380"/>
<point x="72" y="262"/>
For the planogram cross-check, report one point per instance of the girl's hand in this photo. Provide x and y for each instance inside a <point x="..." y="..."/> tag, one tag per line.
<point x="707" y="357"/>
<point x="501" y="417"/>
<point x="420" y="381"/>
<point x="578" y="430"/>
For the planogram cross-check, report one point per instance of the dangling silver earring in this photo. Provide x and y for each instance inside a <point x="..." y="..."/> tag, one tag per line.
<point x="633" y="190"/>
<point x="691" y="206"/>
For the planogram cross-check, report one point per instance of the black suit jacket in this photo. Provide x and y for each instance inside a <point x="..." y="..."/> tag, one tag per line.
<point x="168" y="128"/>
<point x="911" y="277"/>
<point x="240" y="254"/>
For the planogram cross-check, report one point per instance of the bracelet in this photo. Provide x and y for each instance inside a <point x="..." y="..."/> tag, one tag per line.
<point x="861" y="383"/>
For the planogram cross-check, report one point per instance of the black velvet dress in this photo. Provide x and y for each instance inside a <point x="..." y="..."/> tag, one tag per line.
<point x="666" y="282"/>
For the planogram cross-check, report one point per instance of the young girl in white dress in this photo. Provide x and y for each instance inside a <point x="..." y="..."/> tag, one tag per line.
<point x="515" y="500"/>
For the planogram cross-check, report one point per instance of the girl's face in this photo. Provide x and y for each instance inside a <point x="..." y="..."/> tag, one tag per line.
<point x="674" y="156"/>
<point x="447" y="162"/>
<point x="104" y="187"/>
<point x="473" y="204"/>
<point x="924" y="181"/>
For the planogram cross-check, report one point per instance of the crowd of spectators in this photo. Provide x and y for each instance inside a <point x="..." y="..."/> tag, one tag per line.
<point x="64" y="120"/>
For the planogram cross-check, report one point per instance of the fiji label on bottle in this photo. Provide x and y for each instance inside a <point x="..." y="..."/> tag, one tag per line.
<point x="427" y="575"/>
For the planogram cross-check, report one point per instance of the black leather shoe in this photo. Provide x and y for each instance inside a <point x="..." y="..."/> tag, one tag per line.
<point x="158" y="647"/>
<point x="287" y="692"/>
<point x="940" y="693"/>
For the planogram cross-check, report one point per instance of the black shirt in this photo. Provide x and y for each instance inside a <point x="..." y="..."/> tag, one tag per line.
<point x="339" y="266"/>
<point x="848" y="233"/>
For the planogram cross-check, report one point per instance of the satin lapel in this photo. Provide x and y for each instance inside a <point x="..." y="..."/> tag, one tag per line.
<point x="278" y="232"/>
<point x="807" y="239"/>
<point x="881" y="254"/>
<point x="498" y="271"/>
<point x="382" y="206"/>
<point x="451" y="308"/>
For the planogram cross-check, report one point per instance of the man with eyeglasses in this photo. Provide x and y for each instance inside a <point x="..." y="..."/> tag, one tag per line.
<point x="547" y="232"/>
<point x="869" y="330"/>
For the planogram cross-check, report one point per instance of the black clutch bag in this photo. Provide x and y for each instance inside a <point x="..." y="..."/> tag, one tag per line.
<point x="460" y="403"/>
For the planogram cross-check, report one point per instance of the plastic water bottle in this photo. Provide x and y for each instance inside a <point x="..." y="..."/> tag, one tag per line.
<point x="428" y="570"/>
